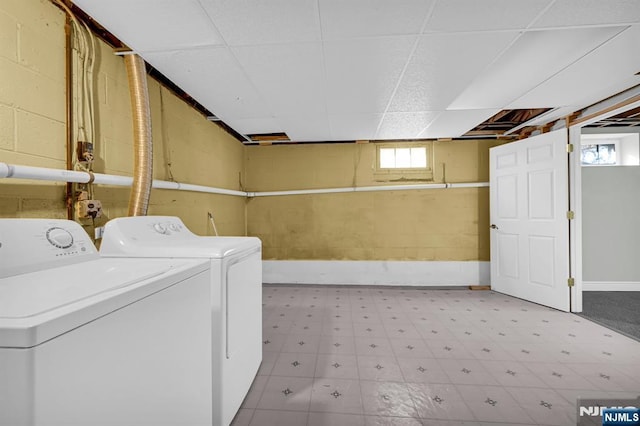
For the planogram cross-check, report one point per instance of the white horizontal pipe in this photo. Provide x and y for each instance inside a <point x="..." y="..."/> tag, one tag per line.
<point x="301" y="192"/>
<point x="468" y="185"/>
<point x="4" y="170"/>
<point x="112" y="180"/>
<point x="57" y="175"/>
<point x="41" y="173"/>
<point x="400" y="187"/>
<point x="370" y="188"/>
<point x="207" y="189"/>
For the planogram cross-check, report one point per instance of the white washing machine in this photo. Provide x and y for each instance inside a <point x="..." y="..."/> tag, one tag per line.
<point x="236" y="296"/>
<point x="92" y="341"/>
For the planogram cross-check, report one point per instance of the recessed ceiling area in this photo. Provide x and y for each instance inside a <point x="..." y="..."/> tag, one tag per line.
<point x="337" y="70"/>
<point x="629" y="118"/>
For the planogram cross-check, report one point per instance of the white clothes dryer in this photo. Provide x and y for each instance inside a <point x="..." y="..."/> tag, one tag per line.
<point x="92" y="341"/>
<point x="236" y="295"/>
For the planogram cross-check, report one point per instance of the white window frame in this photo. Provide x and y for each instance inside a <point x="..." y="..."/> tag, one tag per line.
<point x="403" y="174"/>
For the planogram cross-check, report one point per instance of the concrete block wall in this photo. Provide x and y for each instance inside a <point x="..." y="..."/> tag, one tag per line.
<point x="33" y="130"/>
<point x="440" y="224"/>
<point x="32" y="102"/>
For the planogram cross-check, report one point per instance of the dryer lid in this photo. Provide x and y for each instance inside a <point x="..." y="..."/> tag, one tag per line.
<point x="38" y="306"/>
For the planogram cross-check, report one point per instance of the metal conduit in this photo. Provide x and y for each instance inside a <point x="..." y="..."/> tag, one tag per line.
<point x="142" y="140"/>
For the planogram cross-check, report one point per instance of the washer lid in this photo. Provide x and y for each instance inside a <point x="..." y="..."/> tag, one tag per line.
<point x="167" y="236"/>
<point x="38" y="306"/>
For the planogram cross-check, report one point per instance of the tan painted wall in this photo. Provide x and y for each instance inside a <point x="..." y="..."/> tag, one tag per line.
<point x="32" y="130"/>
<point x="440" y="224"/>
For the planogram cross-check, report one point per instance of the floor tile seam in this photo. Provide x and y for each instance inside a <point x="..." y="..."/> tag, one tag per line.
<point x="266" y="380"/>
<point x="413" y="398"/>
<point x="503" y="388"/>
<point x="253" y="412"/>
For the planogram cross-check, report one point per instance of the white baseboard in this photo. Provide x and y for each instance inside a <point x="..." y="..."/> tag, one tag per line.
<point x="610" y="286"/>
<point x="374" y="272"/>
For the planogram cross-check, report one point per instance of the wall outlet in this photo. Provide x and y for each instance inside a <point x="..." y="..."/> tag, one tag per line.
<point x="89" y="209"/>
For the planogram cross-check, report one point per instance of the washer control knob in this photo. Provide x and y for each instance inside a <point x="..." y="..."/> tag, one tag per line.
<point x="160" y="228"/>
<point x="173" y="227"/>
<point x="59" y="237"/>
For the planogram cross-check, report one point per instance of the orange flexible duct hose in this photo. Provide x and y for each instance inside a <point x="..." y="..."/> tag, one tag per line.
<point x="142" y="139"/>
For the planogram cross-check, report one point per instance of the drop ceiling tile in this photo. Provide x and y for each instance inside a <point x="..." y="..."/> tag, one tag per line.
<point x="453" y="124"/>
<point x="474" y="15"/>
<point x="547" y="52"/>
<point x="306" y="127"/>
<point x="589" y="12"/>
<point x="289" y="76"/>
<point x="212" y="77"/>
<point x="442" y="67"/>
<point x="362" y="74"/>
<point x="611" y="66"/>
<point x="250" y="126"/>
<point x="147" y="25"/>
<point x="405" y="125"/>
<point x="354" y="126"/>
<point x="361" y="18"/>
<point x="245" y="22"/>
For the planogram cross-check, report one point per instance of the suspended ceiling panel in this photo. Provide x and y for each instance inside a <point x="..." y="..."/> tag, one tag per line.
<point x="486" y="15"/>
<point x="606" y="70"/>
<point x="287" y="75"/>
<point x="368" y="18"/>
<point x="389" y="69"/>
<point x="434" y="76"/>
<point x="362" y="74"/>
<point x="303" y="127"/>
<point x="139" y="23"/>
<point x="405" y="125"/>
<point x="548" y="52"/>
<point x="567" y="13"/>
<point x="200" y="71"/>
<point x="246" y="22"/>
<point x="453" y="124"/>
<point x="354" y="126"/>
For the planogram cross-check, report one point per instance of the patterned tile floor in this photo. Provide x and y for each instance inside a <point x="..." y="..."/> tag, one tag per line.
<point x="364" y="356"/>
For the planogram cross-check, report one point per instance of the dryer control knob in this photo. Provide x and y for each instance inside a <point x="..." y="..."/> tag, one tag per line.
<point x="160" y="228"/>
<point x="59" y="237"/>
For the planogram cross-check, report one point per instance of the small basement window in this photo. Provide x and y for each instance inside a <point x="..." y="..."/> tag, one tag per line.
<point x="403" y="158"/>
<point x="596" y="154"/>
<point x="403" y="162"/>
<point x="610" y="149"/>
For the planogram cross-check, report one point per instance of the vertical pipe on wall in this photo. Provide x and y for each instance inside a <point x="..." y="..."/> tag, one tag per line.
<point x="69" y="112"/>
<point x="142" y="142"/>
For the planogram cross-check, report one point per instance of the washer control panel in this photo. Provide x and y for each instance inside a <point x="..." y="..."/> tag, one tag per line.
<point x="168" y="227"/>
<point x="59" y="237"/>
<point x="29" y="245"/>
<point x="126" y="235"/>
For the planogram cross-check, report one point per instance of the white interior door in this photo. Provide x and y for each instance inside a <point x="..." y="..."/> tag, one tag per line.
<point x="530" y="230"/>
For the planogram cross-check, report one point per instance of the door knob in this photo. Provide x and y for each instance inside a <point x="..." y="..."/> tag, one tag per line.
<point x="493" y="226"/>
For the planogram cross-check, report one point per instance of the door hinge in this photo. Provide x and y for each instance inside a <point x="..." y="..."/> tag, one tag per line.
<point x="569" y="147"/>
<point x="571" y="282"/>
<point x="571" y="215"/>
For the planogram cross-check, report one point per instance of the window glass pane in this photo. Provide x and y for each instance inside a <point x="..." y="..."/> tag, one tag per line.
<point x="403" y="158"/>
<point x="419" y="157"/>
<point x="387" y="158"/>
<point x="598" y="154"/>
